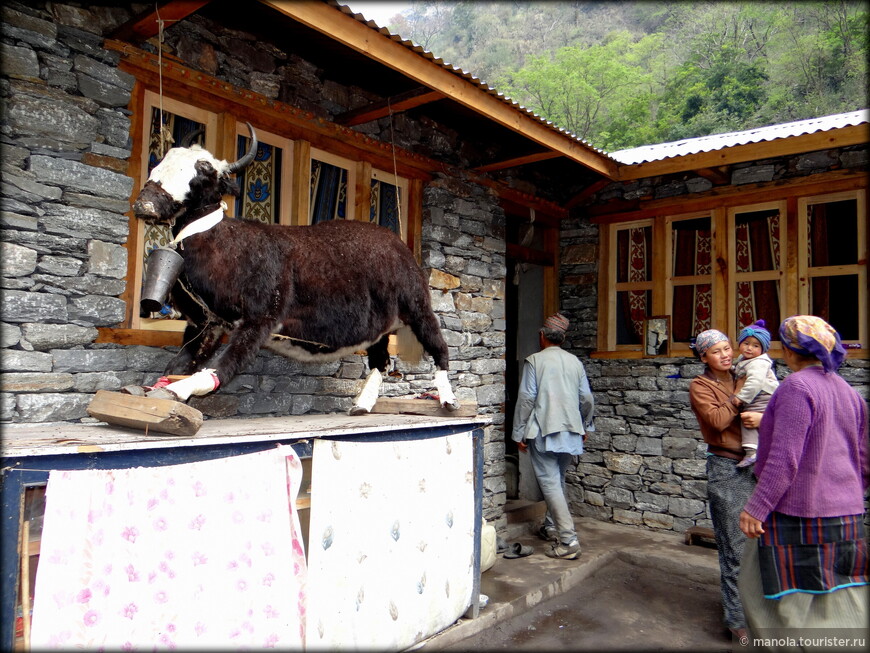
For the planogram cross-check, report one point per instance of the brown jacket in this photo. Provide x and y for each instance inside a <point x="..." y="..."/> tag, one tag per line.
<point x="718" y="418"/>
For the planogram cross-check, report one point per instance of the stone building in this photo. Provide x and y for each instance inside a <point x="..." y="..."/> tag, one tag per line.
<point x="511" y="218"/>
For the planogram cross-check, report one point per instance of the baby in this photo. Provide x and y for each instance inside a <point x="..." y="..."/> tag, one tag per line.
<point x="756" y="367"/>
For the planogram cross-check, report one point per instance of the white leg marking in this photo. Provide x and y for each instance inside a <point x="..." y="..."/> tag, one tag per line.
<point x="198" y="384"/>
<point x="365" y="400"/>
<point x="445" y="392"/>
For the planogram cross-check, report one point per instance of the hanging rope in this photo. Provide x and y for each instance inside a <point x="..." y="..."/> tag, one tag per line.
<point x="395" y="171"/>
<point x="164" y="134"/>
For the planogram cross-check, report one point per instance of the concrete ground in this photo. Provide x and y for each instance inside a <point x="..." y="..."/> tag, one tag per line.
<point x="632" y="589"/>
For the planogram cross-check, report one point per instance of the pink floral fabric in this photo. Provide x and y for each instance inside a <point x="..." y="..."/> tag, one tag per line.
<point x="205" y="555"/>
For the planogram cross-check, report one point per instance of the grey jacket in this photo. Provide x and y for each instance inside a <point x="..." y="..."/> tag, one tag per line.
<point x="759" y="376"/>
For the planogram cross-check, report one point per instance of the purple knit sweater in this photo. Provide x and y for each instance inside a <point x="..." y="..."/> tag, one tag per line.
<point x="812" y="449"/>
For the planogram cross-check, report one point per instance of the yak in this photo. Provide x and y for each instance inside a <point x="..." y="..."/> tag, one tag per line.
<point x="312" y="293"/>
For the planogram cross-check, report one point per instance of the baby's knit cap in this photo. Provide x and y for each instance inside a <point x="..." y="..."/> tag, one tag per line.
<point x="757" y="330"/>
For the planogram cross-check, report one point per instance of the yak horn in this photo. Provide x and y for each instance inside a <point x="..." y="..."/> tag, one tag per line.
<point x="187" y="139"/>
<point x="245" y="161"/>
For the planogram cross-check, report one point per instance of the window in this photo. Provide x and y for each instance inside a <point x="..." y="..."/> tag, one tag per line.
<point x="691" y="281"/>
<point x="168" y="123"/>
<point x="832" y="232"/>
<point x="634" y="280"/>
<point x="265" y="184"/>
<point x="735" y="263"/>
<point x="331" y="189"/>
<point x="758" y="251"/>
<point x="388" y="204"/>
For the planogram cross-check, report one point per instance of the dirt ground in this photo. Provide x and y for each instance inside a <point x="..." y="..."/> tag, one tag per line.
<point x="626" y="606"/>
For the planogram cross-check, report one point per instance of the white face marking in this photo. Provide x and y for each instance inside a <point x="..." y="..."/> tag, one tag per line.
<point x="176" y="169"/>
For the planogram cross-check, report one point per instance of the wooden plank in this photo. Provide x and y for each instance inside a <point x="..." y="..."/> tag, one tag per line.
<point x="518" y="161"/>
<point x="422" y="407"/>
<point x="145" y="413"/>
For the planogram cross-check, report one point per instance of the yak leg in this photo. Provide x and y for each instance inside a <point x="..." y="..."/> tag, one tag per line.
<point x="244" y="344"/>
<point x="379" y="358"/>
<point x="200" y="343"/>
<point x="428" y="332"/>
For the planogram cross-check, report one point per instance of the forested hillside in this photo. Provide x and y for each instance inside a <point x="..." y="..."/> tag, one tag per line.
<point x="622" y="74"/>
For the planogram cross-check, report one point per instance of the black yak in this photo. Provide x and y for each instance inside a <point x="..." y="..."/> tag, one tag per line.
<point x="312" y="293"/>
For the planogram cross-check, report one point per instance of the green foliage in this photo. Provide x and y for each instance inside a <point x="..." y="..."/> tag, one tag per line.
<point x="623" y="74"/>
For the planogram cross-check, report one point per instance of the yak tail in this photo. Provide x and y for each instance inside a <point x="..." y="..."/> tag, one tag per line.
<point x="408" y="347"/>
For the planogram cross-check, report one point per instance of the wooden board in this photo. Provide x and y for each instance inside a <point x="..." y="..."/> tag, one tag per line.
<point x="145" y="413"/>
<point x="423" y="407"/>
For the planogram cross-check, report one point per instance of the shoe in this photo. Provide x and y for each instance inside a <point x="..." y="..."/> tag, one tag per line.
<point x="517" y="550"/>
<point x="564" y="551"/>
<point x="548" y="534"/>
<point x="747" y="461"/>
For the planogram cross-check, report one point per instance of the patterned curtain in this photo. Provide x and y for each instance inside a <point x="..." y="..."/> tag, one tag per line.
<point x="817" y="240"/>
<point x="328" y="192"/>
<point x="384" y="208"/>
<point x="260" y="183"/>
<point x="177" y="128"/>
<point x="692" y="305"/>
<point x="634" y="261"/>
<point x="758" y="247"/>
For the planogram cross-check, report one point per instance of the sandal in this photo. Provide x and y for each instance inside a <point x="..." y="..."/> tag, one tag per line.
<point x="517" y="550"/>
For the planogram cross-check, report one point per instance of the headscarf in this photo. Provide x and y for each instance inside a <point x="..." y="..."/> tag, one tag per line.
<point x="706" y="339"/>
<point x="809" y="335"/>
<point x="557" y="322"/>
<point x="756" y="330"/>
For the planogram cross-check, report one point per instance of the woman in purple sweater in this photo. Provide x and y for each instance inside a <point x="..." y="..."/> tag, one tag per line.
<point x="806" y="565"/>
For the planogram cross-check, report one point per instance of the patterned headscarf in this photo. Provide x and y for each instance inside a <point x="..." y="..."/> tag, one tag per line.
<point x="756" y="330"/>
<point x="809" y="335"/>
<point x="557" y="322"/>
<point x="706" y="339"/>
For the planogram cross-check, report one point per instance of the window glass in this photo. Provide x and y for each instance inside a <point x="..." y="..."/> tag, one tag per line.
<point x="832" y="233"/>
<point x="835" y="300"/>
<point x="692" y="298"/>
<point x="328" y="198"/>
<point x="632" y="308"/>
<point x="634" y="254"/>
<point x="385" y="205"/>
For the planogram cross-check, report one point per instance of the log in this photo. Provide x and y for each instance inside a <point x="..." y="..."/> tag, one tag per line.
<point x="429" y="407"/>
<point x="144" y="413"/>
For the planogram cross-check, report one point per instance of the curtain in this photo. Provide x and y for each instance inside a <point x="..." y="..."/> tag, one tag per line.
<point x="692" y="305"/>
<point x="397" y="566"/>
<point x="328" y="192"/>
<point x="634" y="257"/>
<point x="384" y="208"/>
<point x="203" y="556"/>
<point x="260" y="183"/>
<point x="817" y="240"/>
<point x="758" y="248"/>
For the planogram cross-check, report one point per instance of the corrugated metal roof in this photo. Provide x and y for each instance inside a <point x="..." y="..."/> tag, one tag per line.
<point x="715" y="142"/>
<point x="467" y="76"/>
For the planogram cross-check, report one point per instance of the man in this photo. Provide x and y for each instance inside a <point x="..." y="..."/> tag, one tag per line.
<point x="553" y="414"/>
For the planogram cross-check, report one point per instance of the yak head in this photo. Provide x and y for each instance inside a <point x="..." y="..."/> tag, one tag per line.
<point x="189" y="181"/>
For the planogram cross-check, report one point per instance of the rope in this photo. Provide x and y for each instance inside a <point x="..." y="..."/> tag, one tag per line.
<point x="395" y="170"/>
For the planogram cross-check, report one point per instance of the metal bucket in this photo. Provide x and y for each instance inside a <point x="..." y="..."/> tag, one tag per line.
<point x="161" y="271"/>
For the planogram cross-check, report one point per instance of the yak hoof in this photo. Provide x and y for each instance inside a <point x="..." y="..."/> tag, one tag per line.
<point x="451" y="406"/>
<point x="357" y="410"/>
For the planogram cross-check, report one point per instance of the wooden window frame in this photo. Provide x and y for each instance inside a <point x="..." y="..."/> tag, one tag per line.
<point x="807" y="273"/>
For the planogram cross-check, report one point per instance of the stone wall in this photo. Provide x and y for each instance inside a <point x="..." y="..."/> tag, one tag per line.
<point x="645" y="465"/>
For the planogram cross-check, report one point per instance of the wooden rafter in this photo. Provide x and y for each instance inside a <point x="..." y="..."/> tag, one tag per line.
<point x="585" y="194"/>
<point x="519" y="161"/>
<point x="144" y="26"/>
<point x="719" y="176"/>
<point x="394" y="104"/>
<point x="354" y="34"/>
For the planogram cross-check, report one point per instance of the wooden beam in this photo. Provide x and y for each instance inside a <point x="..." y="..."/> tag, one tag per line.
<point x="394" y="104"/>
<point x="518" y="161"/>
<point x="823" y="182"/>
<point x="584" y="195"/>
<point x="842" y="137"/>
<point x="719" y="176"/>
<point x="382" y="49"/>
<point x="144" y="26"/>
